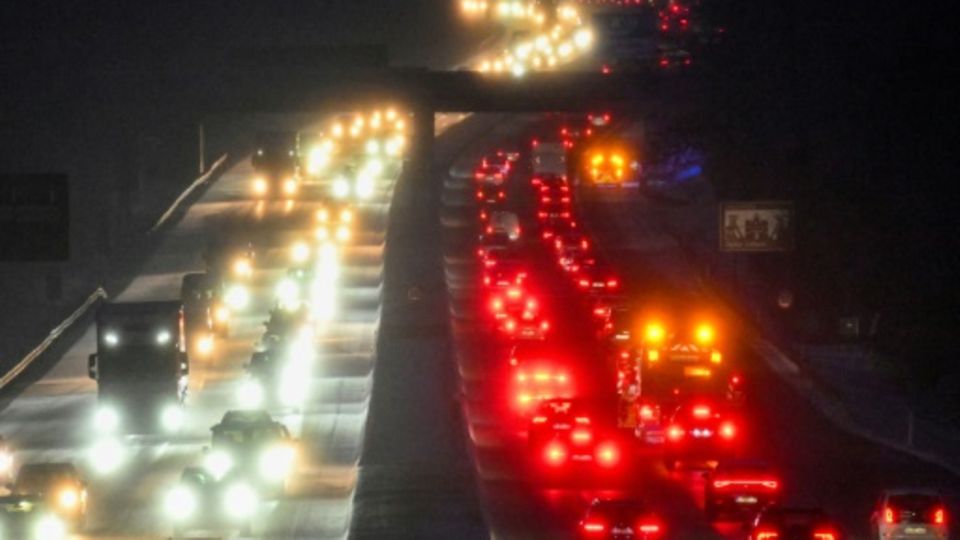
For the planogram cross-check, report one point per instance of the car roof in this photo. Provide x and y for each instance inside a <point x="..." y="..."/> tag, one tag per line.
<point x="246" y="416"/>
<point x="932" y="492"/>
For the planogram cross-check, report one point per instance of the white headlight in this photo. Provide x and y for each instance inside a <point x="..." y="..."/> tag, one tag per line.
<point x="6" y="461"/>
<point x="240" y="501"/>
<point x="238" y="297"/>
<point x="106" y="455"/>
<point x="218" y="463"/>
<point x="172" y="417"/>
<point x="111" y="338"/>
<point x="250" y="394"/>
<point x="163" y="337"/>
<point x="373" y="147"/>
<point x="341" y="188"/>
<point x="180" y="503"/>
<point x="300" y="252"/>
<point x="365" y="187"/>
<point x="276" y="462"/>
<point x="288" y="293"/>
<point x="106" y="419"/>
<point x="50" y="528"/>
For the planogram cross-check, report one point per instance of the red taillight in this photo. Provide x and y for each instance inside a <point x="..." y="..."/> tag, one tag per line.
<point x="539" y="419"/>
<point x="513" y="293"/>
<point x="486" y="280"/>
<point x="940" y="516"/>
<point x="489" y="229"/>
<point x="555" y="454"/>
<point x="501" y="195"/>
<point x="542" y="215"/>
<point x="664" y="62"/>
<point x="613" y="283"/>
<point x="888" y="516"/>
<point x="584" y="283"/>
<point x="608" y="454"/>
<point x="675" y="433"/>
<point x="701" y="411"/>
<point x="728" y="430"/>
<point x="767" y="534"/>
<point x="565" y="215"/>
<point x="824" y="535"/>
<point x="544" y="325"/>
<point x="479" y="194"/>
<point x="582" y="420"/>
<point x="649" y="528"/>
<point x="593" y="527"/>
<point x="646" y="412"/>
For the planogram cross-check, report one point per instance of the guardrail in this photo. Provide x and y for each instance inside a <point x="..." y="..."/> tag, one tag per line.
<point x="54" y="334"/>
<point x="186" y="193"/>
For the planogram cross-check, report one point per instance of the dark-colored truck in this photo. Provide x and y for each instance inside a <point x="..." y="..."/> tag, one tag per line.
<point x="141" y="367"/>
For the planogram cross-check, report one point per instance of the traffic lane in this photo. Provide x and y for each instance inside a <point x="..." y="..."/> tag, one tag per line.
<point x="131" y="512"/>
<point x="517" y="505"/>
<point x="821" y="464"/>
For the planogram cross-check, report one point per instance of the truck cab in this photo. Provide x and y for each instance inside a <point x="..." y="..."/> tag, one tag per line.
<point x="141" y="367"/>
<point x="276" y="163"/>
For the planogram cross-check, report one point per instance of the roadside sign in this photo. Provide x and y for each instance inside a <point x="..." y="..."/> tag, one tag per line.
<point x="756" y="226"/>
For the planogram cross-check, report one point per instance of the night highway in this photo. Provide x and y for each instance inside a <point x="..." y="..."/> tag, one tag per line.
<point x="464" y="269"/>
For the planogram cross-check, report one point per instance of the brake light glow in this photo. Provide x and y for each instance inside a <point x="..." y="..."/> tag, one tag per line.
<point x="824" y="535"/>
<point x="608" y="454"/>
<point x="593" y="527"/>
<point x="701" y="411"/>
<point x="888" y="516"/>
<point x="555" y="454"/>
<point x="767" y="534"/>
<point x="613" y="283"/>
<point x="675" y="433"/>
<point x="940" y="516"/>
<point x="649" y="528"/>
<point x="728" y="430"/>
<point x="646" y="412"/>
<point x="539" y="419"/>
<point x="582" y="420"/>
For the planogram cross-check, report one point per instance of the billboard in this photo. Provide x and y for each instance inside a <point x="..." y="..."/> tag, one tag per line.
<point x="34" y="217"/>
<point x="756" y="226"/>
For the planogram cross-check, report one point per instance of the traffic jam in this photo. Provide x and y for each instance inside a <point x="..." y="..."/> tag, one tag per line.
<point x="273" y="290"/>
<point x="577" y="380"/>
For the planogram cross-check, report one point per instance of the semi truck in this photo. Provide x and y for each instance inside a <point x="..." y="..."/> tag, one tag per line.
<point x="141" y="367"/>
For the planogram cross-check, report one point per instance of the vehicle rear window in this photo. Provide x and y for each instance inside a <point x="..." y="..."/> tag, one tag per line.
<point x="919" y="502"/>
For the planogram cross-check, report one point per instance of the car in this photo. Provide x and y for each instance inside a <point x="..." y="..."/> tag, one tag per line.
<point x="554" y="210"/>
<point x="571" y="240"/>
<point x="527" y="325"/>
<point x="792" y="523"/>
<point x="740" y="488"/>
<point x="249" y="443"/>
<point x="490" y="175"/>
<point x="491" y="194"/>
<point x="673" y="58"/>
<point x="201" y="501"/>
<point x="550" y="183"/>
<point x="498" y="160"/>
<point x="513" y="302"/>
<point x="699" y="433"/>
<point x="334" y="223"/>
<point x="505" y="275"/>
<point x="552" y="226"/>
<point x="601" y="307"/>
<point x="496" y="255"/>
<point x="577" y="261"/>
<point x="554" y="197"/>
<point x="538" y="371"/>
<point x="60" y="486"/>
<point x="504" y="223"/>
<point x="619" y="327"/>
<point x="28" y="517"/>
<point x="909" y="513"/>
<point x="617" y="519"/>
<point x="493" y="240"/>
<point x="597" y="279"/>
<point x="567" y="432"/>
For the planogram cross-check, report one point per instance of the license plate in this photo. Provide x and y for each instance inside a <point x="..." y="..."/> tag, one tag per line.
<point x="915" y="530"/>
<point x="746" y="500"/>
<point x="621" y="530"/>
<point x="598" y="284"/>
